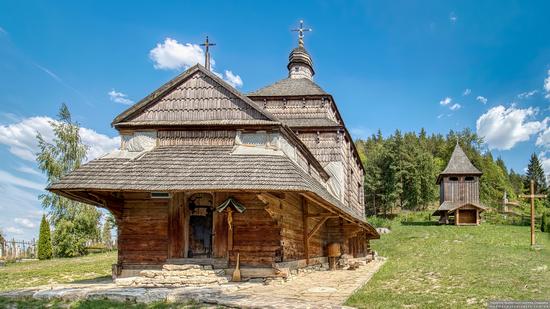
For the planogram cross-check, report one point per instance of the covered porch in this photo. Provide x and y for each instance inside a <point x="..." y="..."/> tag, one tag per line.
<point x="459" y="213"/>
<point x="271" y="231"/>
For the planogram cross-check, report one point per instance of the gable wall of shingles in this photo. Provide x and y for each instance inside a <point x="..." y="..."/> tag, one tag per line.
<point x="199" y="98"/>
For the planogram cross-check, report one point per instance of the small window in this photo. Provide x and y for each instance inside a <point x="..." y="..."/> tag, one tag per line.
<point x="453" y="178"/>
<point x="160" y="195"/>
<point x="469" y="178"/>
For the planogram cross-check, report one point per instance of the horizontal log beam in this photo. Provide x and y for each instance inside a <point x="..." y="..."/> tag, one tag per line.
<point x="322" y="215"/>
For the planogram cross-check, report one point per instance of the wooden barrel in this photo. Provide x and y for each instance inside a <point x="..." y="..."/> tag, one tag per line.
<point x="334" y="249"/>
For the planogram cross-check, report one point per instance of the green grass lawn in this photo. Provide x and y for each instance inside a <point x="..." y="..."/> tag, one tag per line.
<point x="428" y="267"/>
<point x="91" y="267"/>
<point x="433" y="266"/>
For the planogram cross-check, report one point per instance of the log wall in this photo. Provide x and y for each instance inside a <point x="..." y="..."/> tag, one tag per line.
<point x="143" y="230"/>
<point x="256" y="235"/>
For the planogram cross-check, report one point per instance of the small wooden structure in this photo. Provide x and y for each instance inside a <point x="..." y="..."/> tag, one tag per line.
<point x="459" y="191"/>
<point x="205" y="174"/>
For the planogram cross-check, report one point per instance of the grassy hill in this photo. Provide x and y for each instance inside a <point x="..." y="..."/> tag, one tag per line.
<point x="433" y="266"/>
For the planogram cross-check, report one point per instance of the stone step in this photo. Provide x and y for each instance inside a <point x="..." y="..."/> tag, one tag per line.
<point x="181" y="273"/>
<point x="214" y="262"/>
<point x="171" y="281"/>
<point x="178" y="267"/>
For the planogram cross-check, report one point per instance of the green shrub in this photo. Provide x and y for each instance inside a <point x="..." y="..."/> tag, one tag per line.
<point x="44" y="240"/>
<point x="379" y="222"/>
<point x="545" y="223"/>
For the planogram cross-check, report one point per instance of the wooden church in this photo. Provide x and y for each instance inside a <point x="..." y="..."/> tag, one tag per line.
<point x="459" y="191"/>
<point x="205" y="172"/>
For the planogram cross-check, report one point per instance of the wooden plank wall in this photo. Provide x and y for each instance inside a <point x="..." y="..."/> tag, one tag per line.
<point x="461" y="190"/>
<point x="176" y="225"/>
<point x="256" y="235"/>
<point x="143" y="230"/>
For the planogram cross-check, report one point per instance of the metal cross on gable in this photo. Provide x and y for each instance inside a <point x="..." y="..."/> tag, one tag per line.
<point x="207" y="44"/>
<point x="301" y="31"/>
<point x="532" y="197"/>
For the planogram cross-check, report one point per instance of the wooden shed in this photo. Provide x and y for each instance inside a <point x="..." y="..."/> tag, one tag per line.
<point x="205" y="172"/>
<point x="459" y="191"/>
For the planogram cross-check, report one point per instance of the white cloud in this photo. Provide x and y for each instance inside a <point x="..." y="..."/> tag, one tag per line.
<point x="502" y="128"/>
<point x="119" y="97"/>
<point x="544" y="138"/>
<point x="24" y="222"/>
<point x="19" y="202"/>
<point x="3" y="31"/>
<point x="233" y="79"/>
<point x="452" y="17"/>
<point x="20" y="138"/>
<point x="98" y="144"/>
<point x="171" y="55"/>
<point x="14" y="230"/>
<point x="527" y="94"/>
<point x="29" y="170"/>
<point x="545" y="162"/>
<point x="446" y="101"/>
<point x="482" y="99"/>
<point x="547" y="85"/>
<point x="7" y="178"/>
<point x="455" y="107"/>
<point x="467" y="92"/>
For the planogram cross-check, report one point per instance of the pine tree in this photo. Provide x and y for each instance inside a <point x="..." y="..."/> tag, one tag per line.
<point x="74" y="223"/>
<point x="536" y="172"/>
<point x="44" y="240"/>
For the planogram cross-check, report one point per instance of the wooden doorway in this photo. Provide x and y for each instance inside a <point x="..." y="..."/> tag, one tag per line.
<point x="200" y="225"/>
<point x="467" y="216"/>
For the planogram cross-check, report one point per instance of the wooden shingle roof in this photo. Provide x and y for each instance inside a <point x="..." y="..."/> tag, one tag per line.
<point x="459" y="164"/>
<point x="180" y="168"/>
<point x="290" y="87"/>
<point x="448" y="206"/>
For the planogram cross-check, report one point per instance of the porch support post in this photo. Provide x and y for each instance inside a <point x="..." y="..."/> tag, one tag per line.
<point x="305" y="214"/>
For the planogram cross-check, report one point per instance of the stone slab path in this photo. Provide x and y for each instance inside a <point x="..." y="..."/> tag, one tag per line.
<point x="320" y="289"/>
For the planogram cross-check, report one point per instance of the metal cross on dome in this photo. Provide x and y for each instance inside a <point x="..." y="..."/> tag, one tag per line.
<point x="301" y="31"/>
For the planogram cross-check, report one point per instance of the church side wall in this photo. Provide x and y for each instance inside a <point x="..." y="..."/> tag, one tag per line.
<point x="143" y="230"/>
<point x="256" y="235"/>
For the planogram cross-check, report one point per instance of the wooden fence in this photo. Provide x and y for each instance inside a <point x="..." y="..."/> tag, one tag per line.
<point x="16" y="250"/>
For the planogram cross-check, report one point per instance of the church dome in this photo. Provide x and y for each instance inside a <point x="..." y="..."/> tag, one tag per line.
<point x="300" y="64"/>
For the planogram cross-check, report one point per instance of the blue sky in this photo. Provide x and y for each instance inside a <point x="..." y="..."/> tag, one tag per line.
<point x="390" y="65"/>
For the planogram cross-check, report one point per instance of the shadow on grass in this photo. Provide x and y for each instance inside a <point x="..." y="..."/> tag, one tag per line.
<point x="96" y="280"/>
<point x="420" y="223"/>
